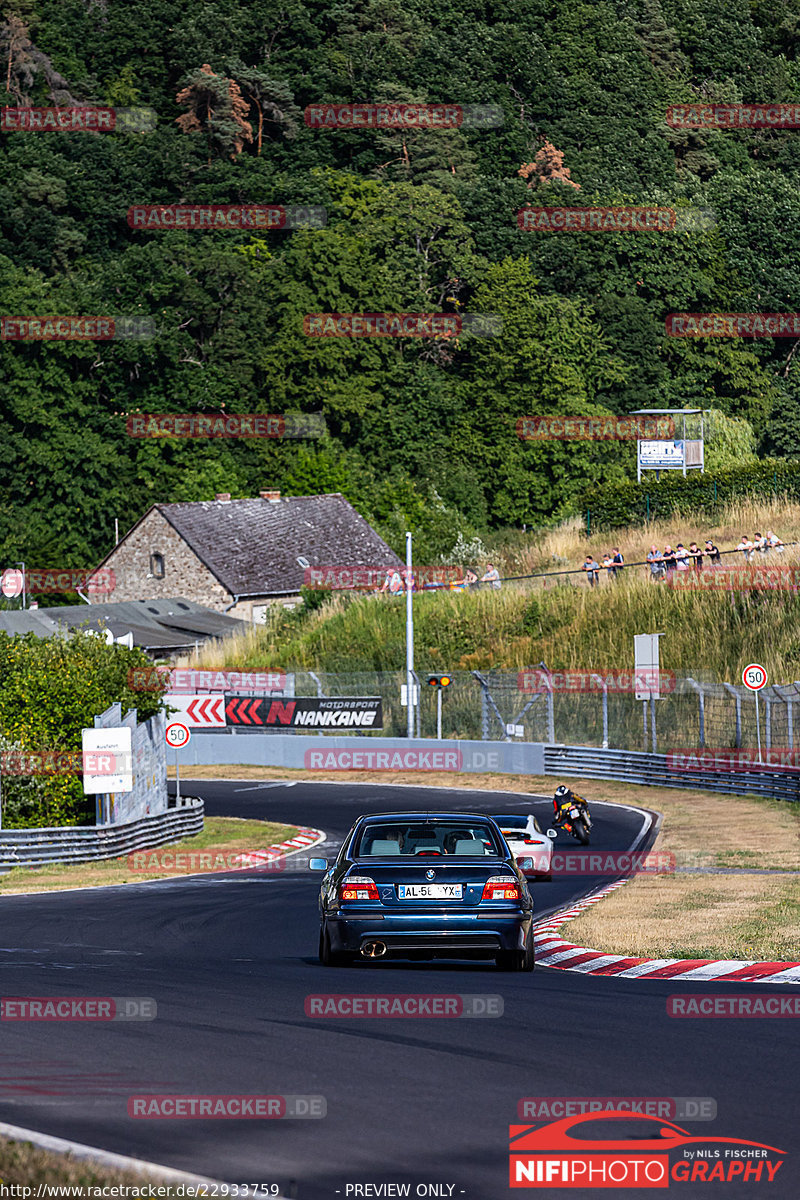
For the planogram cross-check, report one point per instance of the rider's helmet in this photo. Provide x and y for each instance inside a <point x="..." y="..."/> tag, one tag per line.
<point x="562" y="791"/>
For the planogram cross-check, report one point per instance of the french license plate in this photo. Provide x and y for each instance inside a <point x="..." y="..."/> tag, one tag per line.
<point x="429" y="891"/>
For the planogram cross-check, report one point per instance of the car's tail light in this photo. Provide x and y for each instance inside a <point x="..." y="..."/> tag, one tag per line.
<point x="501" y="887"/>
<point x="358" y="887"/>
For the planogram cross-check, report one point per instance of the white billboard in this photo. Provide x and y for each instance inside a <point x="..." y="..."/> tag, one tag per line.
<point x="662" y="456"/>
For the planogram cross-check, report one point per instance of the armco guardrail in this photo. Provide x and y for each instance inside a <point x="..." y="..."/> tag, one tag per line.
<point x="628" y="766"/>
<point x="83" y="843"/>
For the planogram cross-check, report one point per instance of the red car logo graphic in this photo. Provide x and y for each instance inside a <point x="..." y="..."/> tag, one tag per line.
<point x="552" y="1156"/>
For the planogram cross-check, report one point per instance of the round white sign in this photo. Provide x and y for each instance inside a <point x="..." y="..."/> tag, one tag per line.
<point x="754" y="676"/>
<point x="12" y="583"/>
<point x="177" y="735"/>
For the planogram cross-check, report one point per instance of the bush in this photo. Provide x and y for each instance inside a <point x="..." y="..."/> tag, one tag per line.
<point x="50" y="690"/>
<point x="615" y="505"/>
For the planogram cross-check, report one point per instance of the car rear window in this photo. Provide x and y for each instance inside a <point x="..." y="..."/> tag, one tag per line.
<point x="433" y="839"/>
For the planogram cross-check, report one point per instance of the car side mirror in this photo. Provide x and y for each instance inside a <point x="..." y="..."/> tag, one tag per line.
<point x="526" y="864"/>
<point x="318" y="864"/>
<point x="552" y="833"/>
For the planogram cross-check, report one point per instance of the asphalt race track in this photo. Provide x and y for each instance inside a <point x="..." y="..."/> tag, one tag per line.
<point x="230" y="960"/>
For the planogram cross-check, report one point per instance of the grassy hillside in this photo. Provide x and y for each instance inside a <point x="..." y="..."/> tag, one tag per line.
<point x="566" y="624"/>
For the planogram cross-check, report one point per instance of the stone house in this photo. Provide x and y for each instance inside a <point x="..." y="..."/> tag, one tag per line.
<point x="240" y="556"/>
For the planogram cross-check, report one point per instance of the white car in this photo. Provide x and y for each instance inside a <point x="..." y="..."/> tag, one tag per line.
<point x="526" y="839"/>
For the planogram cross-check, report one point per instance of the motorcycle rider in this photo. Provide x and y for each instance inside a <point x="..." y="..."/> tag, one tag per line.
<point x="563" y="799"/>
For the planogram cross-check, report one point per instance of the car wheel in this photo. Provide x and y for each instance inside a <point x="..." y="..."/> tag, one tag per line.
<point x="328" y="957"/>
<point x="528" y="955"/>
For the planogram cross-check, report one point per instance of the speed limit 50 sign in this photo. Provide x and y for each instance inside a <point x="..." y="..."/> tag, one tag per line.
<point x="754" y="677"/>
<point x="177" y="735"/>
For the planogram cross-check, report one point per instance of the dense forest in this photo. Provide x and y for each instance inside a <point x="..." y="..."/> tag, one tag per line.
<point x="419" y="432"/>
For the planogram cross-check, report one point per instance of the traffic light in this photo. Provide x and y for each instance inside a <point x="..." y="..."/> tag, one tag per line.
<point x="439" y="681"/>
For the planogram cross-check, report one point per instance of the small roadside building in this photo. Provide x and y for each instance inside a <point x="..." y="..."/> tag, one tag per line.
<point x="240" y="556"/>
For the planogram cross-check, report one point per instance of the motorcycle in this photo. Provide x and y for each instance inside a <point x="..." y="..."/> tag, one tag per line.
<point x="575" y="819"/>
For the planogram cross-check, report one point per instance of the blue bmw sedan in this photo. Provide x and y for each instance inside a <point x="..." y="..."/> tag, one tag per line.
<point x="422" y="885"/>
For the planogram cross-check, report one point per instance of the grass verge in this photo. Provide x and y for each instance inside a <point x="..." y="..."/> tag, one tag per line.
<point x="229" y="834"/>
<point x="28" y="1166"/>
<point x="684" y="915"/>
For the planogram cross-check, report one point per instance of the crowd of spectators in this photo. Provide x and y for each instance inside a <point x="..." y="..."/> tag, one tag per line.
<point x="660" y="563"/>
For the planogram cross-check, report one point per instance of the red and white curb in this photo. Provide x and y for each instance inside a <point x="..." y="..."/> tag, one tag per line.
<point x="304" y="839"/>
<point x="553" y="951"/>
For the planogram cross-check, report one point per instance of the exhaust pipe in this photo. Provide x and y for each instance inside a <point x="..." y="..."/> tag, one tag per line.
<point x="373" y="949"/>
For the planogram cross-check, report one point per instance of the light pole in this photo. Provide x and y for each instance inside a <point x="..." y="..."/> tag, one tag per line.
<point x="409" y="639"/>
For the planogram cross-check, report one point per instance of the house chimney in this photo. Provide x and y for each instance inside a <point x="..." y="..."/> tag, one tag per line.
<point x="223" y="496"/>
<point x="273" y="496"/>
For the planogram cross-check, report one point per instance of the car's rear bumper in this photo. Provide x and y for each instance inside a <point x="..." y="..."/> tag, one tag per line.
<point x="456" y="937"/>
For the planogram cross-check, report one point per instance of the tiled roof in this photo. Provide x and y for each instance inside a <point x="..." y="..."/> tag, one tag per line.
<point x="253" y="546"/>
<point x="157" y="625"/>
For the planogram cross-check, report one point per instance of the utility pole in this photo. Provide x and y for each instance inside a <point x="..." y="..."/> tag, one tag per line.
<point x="409" y="639"/>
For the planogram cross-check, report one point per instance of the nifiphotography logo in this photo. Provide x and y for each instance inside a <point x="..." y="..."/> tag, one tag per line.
<point x="579" y="1152"/>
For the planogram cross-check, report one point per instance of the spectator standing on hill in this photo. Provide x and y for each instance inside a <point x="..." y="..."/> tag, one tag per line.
<point x="774" y="542"/>
<point x="670" y="559"/>
<point x="681" y="557"/>
<point x="606" y="565"/>
<point x="656" y="563"/>
<point x="392" y="583"/>
<point x="619" y="563"/>
<point x="713" y="553"/>
<point x="491" y="575"/>
<point x="696" y="556"/>
<point x="591" y="568"/>
<point x="760" y="543"/>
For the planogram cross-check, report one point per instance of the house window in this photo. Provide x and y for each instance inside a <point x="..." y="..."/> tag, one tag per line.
<point x="157" y="566"/>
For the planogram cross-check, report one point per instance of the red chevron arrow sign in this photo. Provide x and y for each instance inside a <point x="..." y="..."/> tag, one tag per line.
<point x="204" y="712"/>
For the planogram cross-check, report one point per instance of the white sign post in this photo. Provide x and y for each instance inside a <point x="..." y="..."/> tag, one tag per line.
<point x="647" y="678"/>
<point x="107" y="764"/>
<point x="177" y="736"/>
<point x="754" y="677"/>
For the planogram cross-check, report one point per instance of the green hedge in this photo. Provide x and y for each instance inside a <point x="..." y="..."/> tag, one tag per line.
<point x="613" y="505"/>
<point x="51" y="689"/>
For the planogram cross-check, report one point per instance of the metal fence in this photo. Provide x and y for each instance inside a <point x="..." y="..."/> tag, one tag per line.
<point x="656" y="770"/>
<point x="83" y="843"/>
<point x="492" y="705"/>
